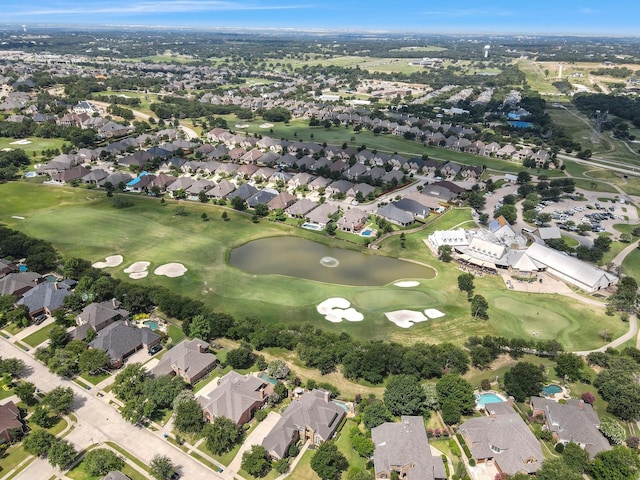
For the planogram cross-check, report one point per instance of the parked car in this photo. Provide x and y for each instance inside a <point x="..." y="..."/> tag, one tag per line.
<point x="155" y="349"/>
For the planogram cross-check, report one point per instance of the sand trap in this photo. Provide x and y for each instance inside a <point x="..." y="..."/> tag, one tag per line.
<point x="24" y="141"/>
<point x="407" y="284"/>
<point x="337" y="309"/>
<point x="110" y="261"/>
<point x="433" y="313"/>
<point x="137" y="267"/>
<point x="17" y="217"/>
<point x="406" y="318"/>
<point x="266" y="125"/>
<point x="171" y="270"/>
<point x="138" y="275"/>
<point x="241" y="125"/>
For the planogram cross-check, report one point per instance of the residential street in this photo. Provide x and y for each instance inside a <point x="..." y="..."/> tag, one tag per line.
<point x="100" y="422"/>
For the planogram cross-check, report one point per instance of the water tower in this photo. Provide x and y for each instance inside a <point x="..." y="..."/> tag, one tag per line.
<point x="486" y="50"/>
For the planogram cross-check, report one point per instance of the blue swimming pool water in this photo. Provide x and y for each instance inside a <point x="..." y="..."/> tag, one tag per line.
<point x="342" y="405"/>
<point x="267" y="378"/>
<point x="483" y="398"/>
<point x="152" y="324"/>
<point x="311" y="226"/>
<point x="23" y="268"/>
<point x="551" y="389"/>
<point x="51" y="278"/>
<point x="367" y="232"/>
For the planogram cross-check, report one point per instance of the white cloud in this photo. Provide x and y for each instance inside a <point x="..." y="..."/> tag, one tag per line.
<point x="468" y="12"/>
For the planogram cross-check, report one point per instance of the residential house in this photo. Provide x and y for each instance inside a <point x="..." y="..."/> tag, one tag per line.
<point x="46" y="297"/>
<point x="490" y="150"/>
<point x="74" y="173"/>
<point x="116" y="179"/>
<point x="451" y="169"/>
<point x="403" y="448"/>
<point x="301" y="208"/>
<point x="574" y="421"/>
<point x="503" y="439"/>
<point x="115" y="475"/>
<point x="395" y="215"/>
<point x="94" y="176"/>
<point x="507" y="151"/>
<point x="339" y="187"/>
<point x="181" y="183"/>
<point x="301" y="179"/>
<point x="320" y="182"/>
<point x="246" y="171"/>
<point x="355" y="172"/>
<point x="363" y="189"/>
<point x="98" y="315"/>
<point x="190" y="359"/>
<point x="353" y="220"/>
<point x="17" y="283"/>
<point x="281" y="201"/>
<point x="320" y="215"/>
<point x="237" y="397"/>
<point x="223" y="189"/>
<point x="262" y="196"/>
<point x="244" y="191"/>
<point x="10" y="422"/>
<point x="7" y="267"/>
<point x="313" y="418"/>
<point x="122" y="339"/>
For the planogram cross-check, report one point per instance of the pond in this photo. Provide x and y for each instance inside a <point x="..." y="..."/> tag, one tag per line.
<point x="298" y="257"/>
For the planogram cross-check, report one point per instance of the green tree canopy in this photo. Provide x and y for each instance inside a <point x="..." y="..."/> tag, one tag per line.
<point x="100" y="461"/>
<point x="222" y="434"/>
<point x="256" y="461"/>
<point x="404" y="396"/>
<point x="523" y="380"/>
<point x="328" y="462"/>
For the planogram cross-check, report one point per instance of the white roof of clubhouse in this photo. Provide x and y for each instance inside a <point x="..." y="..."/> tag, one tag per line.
<point x="570" y="269"/>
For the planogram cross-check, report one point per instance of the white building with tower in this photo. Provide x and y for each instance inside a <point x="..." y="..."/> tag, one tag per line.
<point x="486" y="51"/>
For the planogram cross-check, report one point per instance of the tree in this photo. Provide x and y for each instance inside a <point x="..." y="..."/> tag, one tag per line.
<point x="465" y="283"/>
<point x="11" y="366"/>
<point x="61" y="453"/>
<point x="200" y="327"/>
<point x="241" y="357"/>
<point x="41" y="417"/>
<point x="375" y="413"/>
<point x="238" y="203"/>
<point x="361" y="443"/>
<point x="25" y="392"/>
<point x="619" y="463"/>
<point x="277" y="369"/>
<point x="188" y="417"/>
<point x="129" y="382"/>
<point x="613" y="430"/>
<point x="100" y="461"/>
<point x="569" y="365"/>
<point x="509" y="213"/>
<point x="222" y="434"/>
<point x="328" y="462"/>
<point x="281" y="466"/>
<point x="261" y="209"/>
<point x="256" y="461"/>
<point x="404" y="396"/>
<point x="444" y="253"/>
<point x="93" y="360"/>
<point x="556" y="469"/>
<point x="58" y="336"/>
<point x="161" y="467"/>
<point x="59" y="400"/>
<point x="476" y="200"/>
<point x="575" y="457"/>
<point x="456" y="397"/>
<point x="38" y="442"/>
<point x="523" y="380"/>
<point x="523" y="177"/>
<point x="479" y="307"/>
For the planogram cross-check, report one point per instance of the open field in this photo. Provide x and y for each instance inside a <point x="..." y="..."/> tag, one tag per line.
<point x="36" y="146"/>
<point x="149" y="231"/>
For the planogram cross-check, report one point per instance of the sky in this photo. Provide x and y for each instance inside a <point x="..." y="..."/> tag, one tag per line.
<point x="614" y="17"/>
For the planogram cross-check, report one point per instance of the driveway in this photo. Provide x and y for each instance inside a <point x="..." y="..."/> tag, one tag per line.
<point x="99" y="422"/>
<point x="254" y="438"/>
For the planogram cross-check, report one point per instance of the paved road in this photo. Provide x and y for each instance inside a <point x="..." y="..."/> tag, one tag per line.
<point x="100" y="422"/>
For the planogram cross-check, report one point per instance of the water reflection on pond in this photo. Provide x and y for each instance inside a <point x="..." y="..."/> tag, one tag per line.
<point x="298" y="257"/>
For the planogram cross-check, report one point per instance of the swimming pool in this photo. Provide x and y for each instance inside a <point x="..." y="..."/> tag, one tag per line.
<point x="152" y="324"/>
<point x="23" y="268"/>
<point x="342" y="405"/>
<point x="51" y="278"/>
<point x="483" y="398"/>
<point x="367" y="232"/>
<point x="311" y="226"/>
<point x="267" y="378"/>
<point x="551" y="389"/>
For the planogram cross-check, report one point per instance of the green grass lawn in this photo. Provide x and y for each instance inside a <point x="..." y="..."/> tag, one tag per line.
<point x="39" y="336"/>
<point x="14" y="455"/>
<point x="303" y="470"/>
<point x="79" y="473"/>
<point x="95" y="379"/>
<point x="36" y="146"/>
<point x="344" y="445"/>
<point x="148" y="231"/>
<point x="631" y="264"/>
